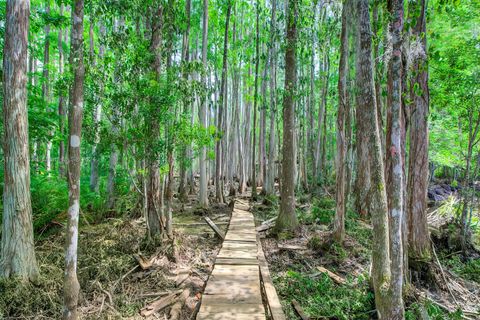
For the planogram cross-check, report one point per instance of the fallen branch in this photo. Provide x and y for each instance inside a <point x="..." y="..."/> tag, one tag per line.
<point x="176" y="309"/>
<point x="214" y="228"/>
<point x="333" y="276"/>
<point x="299" y="310"/>
<point x="267" y="224"/>
<point x="291" y="247"/>
<point x="143" y="262"/>
<point x="158" y="305"/>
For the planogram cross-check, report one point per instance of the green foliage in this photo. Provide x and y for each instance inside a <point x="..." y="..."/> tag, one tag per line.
<point x="469" y="270"/>
<point x="323" y="210"/>
<point x="320" y="297"/>
<point x="415" y="311"/>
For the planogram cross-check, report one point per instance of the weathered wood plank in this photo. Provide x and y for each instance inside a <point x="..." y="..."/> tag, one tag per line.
<point x="214" y="228"/>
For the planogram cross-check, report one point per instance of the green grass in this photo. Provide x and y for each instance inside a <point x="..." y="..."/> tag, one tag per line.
<point x="414" y="310"/>
<point x="469" y="270"/>
<point x="320" y="297"/>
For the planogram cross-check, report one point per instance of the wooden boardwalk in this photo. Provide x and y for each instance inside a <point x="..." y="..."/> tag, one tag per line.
<point x="234" y="289"/>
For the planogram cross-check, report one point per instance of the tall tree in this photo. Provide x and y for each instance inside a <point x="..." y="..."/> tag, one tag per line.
<point x="45" y="83"/>
<point x="61" y="100"/>
<point x="270" y="174"/>
<point x="385" y="287"/>
<point x="255" y="102"/>
<point x="221" y="106"/>
<point x="394" y="157"/>
<point x="17" y="249"/>
<point x="155" y="221"/>
<point x="418" y="235"/>
<point x="343" y="100"/>
<point x="203" y="196"/>
<point x="287" y="218"/>
<point x="75" y="117"/>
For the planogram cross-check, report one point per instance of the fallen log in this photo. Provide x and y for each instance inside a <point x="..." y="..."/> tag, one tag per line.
<point x="299" y="310"/>
<point x="176" y="309"/>
<point x="267" y="224"/>
<point x="333" y="276"/>
<point x="158" y="305"/>
<point x="291" y="247"/>
<point x="214" y="228"/>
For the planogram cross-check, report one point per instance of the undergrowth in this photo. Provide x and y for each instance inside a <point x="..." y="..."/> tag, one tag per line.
<point x="467" y="269"/>
<point x="321" y="298"/>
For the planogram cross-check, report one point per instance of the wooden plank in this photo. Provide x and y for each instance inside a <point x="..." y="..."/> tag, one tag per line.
<point x="299" y="310"/>
<point x="233" y="290"/>
<point x="215" y="228"/>
<point x="335" y="277"/>
<point x="274" y="305"/>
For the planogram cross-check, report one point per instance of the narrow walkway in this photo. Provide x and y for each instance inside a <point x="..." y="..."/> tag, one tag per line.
<point x="234" y="289"/>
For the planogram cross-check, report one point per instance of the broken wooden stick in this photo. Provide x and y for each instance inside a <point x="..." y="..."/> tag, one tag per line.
<point x="333" y="276"/>
<point x="267" y="224"/>
<point x="291" y="247"/>
<point x="158" y="305"/>
<point x="299" y="310"/>
<point x="214" y="228"/>
<point x="176" y="309"/>
<point x="143" y="262"/>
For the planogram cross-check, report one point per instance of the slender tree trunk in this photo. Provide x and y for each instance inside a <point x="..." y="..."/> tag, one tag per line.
<point x="97" y="116"/>
<point x="17" y="248"/>
<point x="182" y="190"/>
<point x="418" y="235"/>
<point x="75" y="117"/>
<point x="343" y="100"/>
<point x="203" y="112"/>
<point x="221" y="106"/>
<point x="270" y="174"/>
<point x="45" y="85"/>
<point x="255" y="102"/>
<point x="287" y="218"/>
<point x="155" y="223"/>
<point x="61" y="102"/>
<point x="394" y="156"/>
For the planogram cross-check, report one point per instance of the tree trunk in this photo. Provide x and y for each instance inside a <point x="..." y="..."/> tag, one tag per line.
<point x="17" y="248"/>
<point x="155" y="223"/>
<point x="75" y="117"/>
<point x="203" y="196"/>
<point x="394" y="159"/>
<point x="221" y="106"/>
<point x="381" y="273"/>
<point x="61" y="102"/>
<point x="255" y="102"/>
<point x="182" y="190"/>
<point x="97" y="115"/>
<point x="418" y="235"/>
<point x="270" y="170"/>
<point x="45" y="85"/>
<point x="343" y="100"/>
<point x="287" y="218"/>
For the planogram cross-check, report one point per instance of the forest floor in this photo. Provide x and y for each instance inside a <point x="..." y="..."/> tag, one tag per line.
<point x="114" y="284"/>
<point x="298" y="268"/>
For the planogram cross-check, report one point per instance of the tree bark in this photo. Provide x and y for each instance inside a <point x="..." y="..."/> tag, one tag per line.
<point x="97" y="116"/>
<point x="75" y="115"/>
<point x="46" y="87"/>
<point x="221" y="106"/>
<point x="155" y="223"/>
<point x="394" y="159"/>
<point x="287" y="218"/>
<point x="203" y="196"/>
<point x="343" y="100"/>
<point x="270" y="174"/>
<point x="61" y="101"/>
<point x="255" y="103"/>
<point x="17" y="247"/>
<point x="418" y="234"/>
<point x="381" y="272"/>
